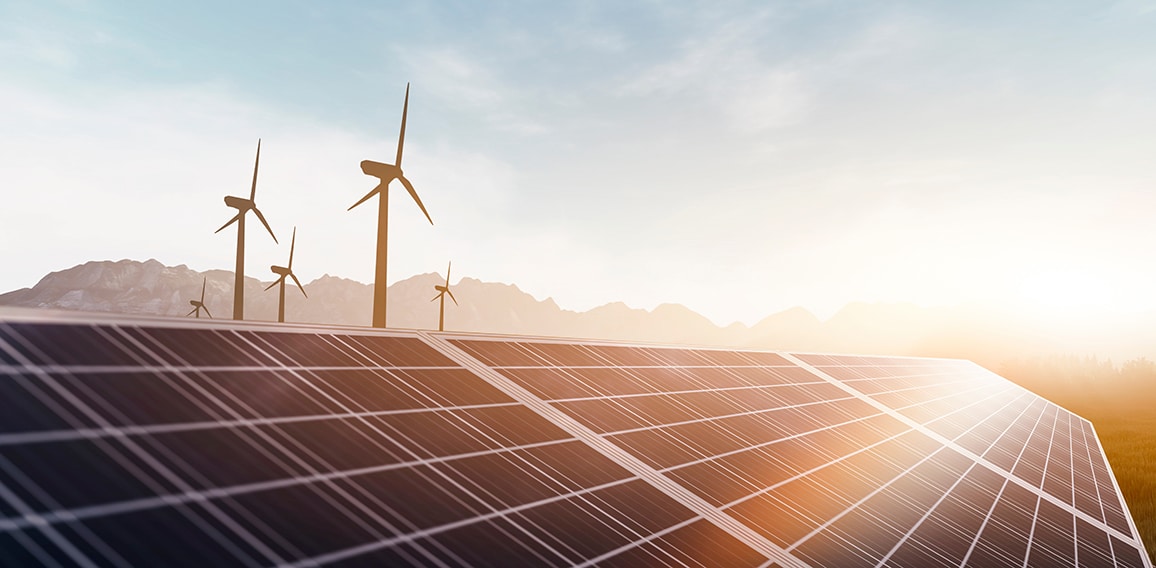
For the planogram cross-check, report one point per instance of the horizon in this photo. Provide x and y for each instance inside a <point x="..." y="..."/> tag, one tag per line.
<point x="737" y="160"/>
<point x="989" y="332"/>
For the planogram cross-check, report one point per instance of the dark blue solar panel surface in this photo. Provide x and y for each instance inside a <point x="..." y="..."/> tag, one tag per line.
<point x="157" y="442"/>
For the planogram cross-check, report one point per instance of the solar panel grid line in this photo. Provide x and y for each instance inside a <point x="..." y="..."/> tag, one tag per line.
<point x="964" y="430"/>
<point x="1071" y="469"/>
<point x="170" y="499"/>
<point x="960" y="409"/>
<point x="766" y="444"/>
<point x="695" y="503"/>
<point x="901" y="542"/>
<point x="1095" y="484"/>
<point x="968" y="453"/>
<point x="1051" y="447"/>
<point x="118" y="431"/>
<point x="1008" y="480"/>
<point x="648" y="538"/>
<point x="987" y="517"/>
<point x="259" y="524"/>
<point x="1123" y="503"/>
<point x="823" y="527"/>
<point x="169" y="476"/>
<point x="1051" y="498"/>
<point x="679" y="439"/>
<point x="804" y="474"/>
<point x="1061" y="455"/>
<point x="48" y="531"/>
<point x="713" y="418"/>
<point x="419" y="534"/>
<point x="470" y="493"/>
<point x="354" y="519"/>
<point x="887" y="486"/>
<point x="678" y="392"/>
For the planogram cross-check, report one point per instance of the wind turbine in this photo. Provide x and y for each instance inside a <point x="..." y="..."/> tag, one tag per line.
<point x="386" y="173"/>
<point x="286" y="271"/>
<point x="243" y="206"/>
<point x="442" y="291"/>
<point x="199" y="305"/>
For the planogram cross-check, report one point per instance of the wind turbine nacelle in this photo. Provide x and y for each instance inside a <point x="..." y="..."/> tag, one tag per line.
<point x="195" y="303"/>
<point x="238" y="202"/>
<point x="280" y="270"/>
<point x="384" y="172"/>
<point x="441" y="289"/>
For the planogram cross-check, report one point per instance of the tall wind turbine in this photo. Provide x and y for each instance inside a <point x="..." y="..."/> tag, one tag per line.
<point x="386" y="173"/>
<point x="286" y="271"/>
<point x="442" y="291"/>
<point x="243" y="206"/>
<point x="199" y="305"/>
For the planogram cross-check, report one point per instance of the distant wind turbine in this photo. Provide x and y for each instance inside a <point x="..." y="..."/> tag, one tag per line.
<point x="286" y="271"/>
<point x="243" y="206"/>
<point x="386" y="173"/>
<point x="199" y="305"/>
<point x="442" y="291"/>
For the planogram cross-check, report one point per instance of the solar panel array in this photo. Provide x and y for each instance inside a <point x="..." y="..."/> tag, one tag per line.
<point x="172" y="442"/>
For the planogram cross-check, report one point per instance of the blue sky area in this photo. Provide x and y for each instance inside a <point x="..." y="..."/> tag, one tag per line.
<point x="739" y="158"/>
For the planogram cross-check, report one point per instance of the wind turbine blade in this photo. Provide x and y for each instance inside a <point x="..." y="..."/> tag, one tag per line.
<point x="275" y="282"/>
<point x="253" y="190"/>
<point x="371" y="193"/>
<point x="191" y="312"/>
<point x="448" y="273"/>
<point x="413" y="193"/>
<point x="401" y="137"/>
<point x="235" y="218"/>
<point x="436" y="297"/>
<point x="292" y="244"/>
<point x="266" y="223"/>
<point x="453" y="298"/>
<point x="207" y="312"/>
<point x="298" y="282"/>
<point x="203" y="282"/>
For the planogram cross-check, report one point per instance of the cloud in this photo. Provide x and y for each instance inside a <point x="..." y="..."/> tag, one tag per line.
<point x="726" y="65"/>
<point x="142" y="174"/>
<point x="466" y="83"/>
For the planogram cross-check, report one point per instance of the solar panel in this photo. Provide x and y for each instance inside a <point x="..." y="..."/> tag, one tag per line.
<point x="137" y="441"/>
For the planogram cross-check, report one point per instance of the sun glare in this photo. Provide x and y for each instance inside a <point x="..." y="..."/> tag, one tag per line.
<point x="1066" y="291"/>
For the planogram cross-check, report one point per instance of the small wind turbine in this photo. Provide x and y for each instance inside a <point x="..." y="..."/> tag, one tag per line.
<point x="243" y="206"/>
<point x="386" y="173"/>
<point x="286" y="271"/>
<point x="199" y="305"/>
<point x="442" y="291"/>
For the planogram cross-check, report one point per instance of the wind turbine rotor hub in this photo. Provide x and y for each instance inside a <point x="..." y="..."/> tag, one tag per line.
<point x="384" y="172"/>
<point x="239" y="203"/>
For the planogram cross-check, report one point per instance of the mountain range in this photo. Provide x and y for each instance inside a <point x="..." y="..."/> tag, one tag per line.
<point x="150" y="287"/>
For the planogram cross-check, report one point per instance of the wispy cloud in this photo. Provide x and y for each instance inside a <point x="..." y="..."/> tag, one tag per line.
<point x="463" y="81"/>
<point x="724" y="63"/>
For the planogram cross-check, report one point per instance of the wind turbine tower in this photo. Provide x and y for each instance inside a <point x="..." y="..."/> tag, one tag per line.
<point x="442" y="291"/>
<point x="199" y="305"/>
<point x="286" y="271"/>
<point x="243" y="206"/>
<point x="386" y="173"/>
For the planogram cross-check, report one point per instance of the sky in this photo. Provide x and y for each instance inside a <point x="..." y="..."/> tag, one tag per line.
<point x="738" y="158"/>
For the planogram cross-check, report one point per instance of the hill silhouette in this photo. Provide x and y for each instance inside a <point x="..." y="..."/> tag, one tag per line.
<point x="985" y="336"/>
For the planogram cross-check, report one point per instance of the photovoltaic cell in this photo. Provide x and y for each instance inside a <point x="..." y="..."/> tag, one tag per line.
<point x="163" y="442"/>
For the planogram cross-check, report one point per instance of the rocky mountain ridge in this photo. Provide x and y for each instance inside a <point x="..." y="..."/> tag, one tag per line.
<point x="150" y="287"/>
